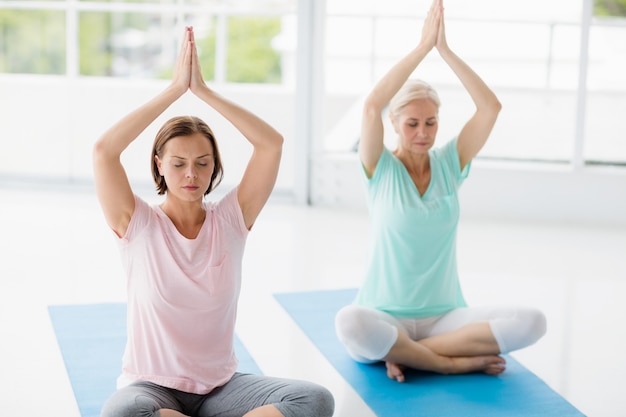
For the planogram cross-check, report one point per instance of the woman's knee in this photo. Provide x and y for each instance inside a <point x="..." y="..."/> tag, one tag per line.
<point x="366" y="333"/>
<point x="140" y="406"/>
<point x="323" y="402"/>
<point x="537" y="325"/>
<point x="353" y="323"/>
<point x="346" y="323"/>
<point x="131" y="401"/>
<point x="307" y="399"/>
<point x="525" y="328"/>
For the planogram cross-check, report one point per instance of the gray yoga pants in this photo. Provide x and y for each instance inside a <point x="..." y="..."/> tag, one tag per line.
<point x="244" y="392"/>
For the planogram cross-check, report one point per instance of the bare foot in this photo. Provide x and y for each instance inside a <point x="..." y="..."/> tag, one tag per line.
<point x="489" y="364"/>
<point x="395" y="371"/>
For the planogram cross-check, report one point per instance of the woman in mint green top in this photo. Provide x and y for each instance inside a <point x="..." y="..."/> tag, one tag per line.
<point x="410" y="310"/>
<point x="413" y="243"/>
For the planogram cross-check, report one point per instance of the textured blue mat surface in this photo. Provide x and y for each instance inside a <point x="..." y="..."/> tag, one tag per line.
<point x="92" y="339"/>
<point x="516" y="393"/>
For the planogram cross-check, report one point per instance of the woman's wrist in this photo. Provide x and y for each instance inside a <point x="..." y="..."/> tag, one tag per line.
<point x="174" y="91"/>
<point x="444" y="50"/>
<point x="422" y="49"/>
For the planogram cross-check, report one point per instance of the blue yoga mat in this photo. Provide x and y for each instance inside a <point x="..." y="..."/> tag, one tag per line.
<point x="515" y="393"/>
<point x="92" y="339"/>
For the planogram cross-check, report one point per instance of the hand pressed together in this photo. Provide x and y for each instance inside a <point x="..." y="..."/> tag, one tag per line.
<point x="187" y="71"/>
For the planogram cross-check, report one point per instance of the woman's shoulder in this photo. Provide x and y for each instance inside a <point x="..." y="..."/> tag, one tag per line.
<point x="143" y="215"/>
<point x="447" y="157"/>
<point x="220" y="200"/>
<point x="445" y="150"/>
<point x="226" y="208"/>
<point x="388" y="158"/>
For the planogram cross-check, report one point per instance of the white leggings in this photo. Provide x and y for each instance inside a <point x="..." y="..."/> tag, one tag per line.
<point x="368" y="334"/>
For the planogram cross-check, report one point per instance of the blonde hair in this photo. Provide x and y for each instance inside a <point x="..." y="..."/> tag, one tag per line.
<point x="412" y="89"/>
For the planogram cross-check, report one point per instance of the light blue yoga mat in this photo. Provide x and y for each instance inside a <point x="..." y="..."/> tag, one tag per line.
<point x="515" y="393"/>
<point x="92" y="339"/>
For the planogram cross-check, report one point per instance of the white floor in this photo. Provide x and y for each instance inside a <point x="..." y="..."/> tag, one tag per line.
<point x="55" y="249"/>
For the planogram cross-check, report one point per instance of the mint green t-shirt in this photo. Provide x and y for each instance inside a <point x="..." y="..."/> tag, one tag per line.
<point x="412" y="270"/>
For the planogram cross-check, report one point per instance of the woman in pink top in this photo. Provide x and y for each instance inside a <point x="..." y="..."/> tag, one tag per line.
<point x="183" y="259"/>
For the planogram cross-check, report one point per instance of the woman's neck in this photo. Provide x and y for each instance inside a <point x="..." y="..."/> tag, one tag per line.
<point x="418" y="168"/>
<point x="188" y="217"/>
<point x="417" y="164"/>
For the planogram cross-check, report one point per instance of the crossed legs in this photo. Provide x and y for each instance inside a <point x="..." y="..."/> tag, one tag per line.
<point x="462" y="341"/>
<point x="471" y="348"/>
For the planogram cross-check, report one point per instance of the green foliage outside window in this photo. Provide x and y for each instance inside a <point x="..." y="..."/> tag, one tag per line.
<point x="206" y="50"/>
<point x="615" y="8"/>
<point x="121" y="44"/>
<point x="32" y="41"/>
<point x="251" y="58"/>
<point x="94" y="55"/>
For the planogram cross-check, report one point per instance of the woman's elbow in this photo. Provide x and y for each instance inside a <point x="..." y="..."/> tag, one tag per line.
<point x="272" y="144"/>
<point x="280" y="140"/>
<point x="102" y="152"/>
<point x="491" y="109"/>
<point x="275" y="144"/>
<point x="496" y="105"/>
<point x="99" y="150"/>
<point x="371" y="109"/>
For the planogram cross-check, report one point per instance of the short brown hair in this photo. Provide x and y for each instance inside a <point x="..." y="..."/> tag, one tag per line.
<point x="184" y="126"/>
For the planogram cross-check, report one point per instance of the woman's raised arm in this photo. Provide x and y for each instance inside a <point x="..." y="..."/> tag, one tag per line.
<point x="474" y="134"/>
<point x="260" y="175"/>
<point x="372" y="134"/>
<point x="112" y="186"/>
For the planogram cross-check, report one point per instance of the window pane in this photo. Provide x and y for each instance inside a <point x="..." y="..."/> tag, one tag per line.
<point x="141" y="45"/>
<point x="205" y="31"/>
<point x="538" y="90"/>
<point x="349" y="37"/>
<point x="32" y="41"/>
<point x="251" y="56"/>
<point x="563" y="63"/>
<point x="606" y="94"/>
<point x="609" y="8"/>
<point x="146" y="45"/>
<point x="127" y="44"/>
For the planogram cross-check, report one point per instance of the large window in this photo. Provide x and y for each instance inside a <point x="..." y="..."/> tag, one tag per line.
<point x="536" y="55"/>
<point x="139" y="38"/>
